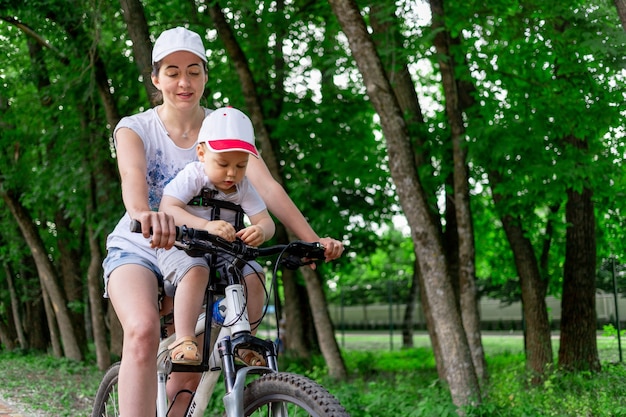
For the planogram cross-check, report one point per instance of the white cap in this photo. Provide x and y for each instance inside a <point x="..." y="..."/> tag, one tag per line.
<point x="228" y="129"/>
<point x="177" y="39"/>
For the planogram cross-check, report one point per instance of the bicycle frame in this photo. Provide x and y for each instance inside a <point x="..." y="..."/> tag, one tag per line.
<point x="219" y="350"/>
<point x="217" y="356"/>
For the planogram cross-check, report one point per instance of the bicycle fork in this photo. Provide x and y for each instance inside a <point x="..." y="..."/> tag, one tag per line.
<point x="235" y="381"/>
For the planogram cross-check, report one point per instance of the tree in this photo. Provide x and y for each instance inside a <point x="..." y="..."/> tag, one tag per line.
<point x="530" y="175"/>
<point x="458" y="366"/>
<point x="48" y="277"/>
<point x="621" y="11"/>
<point x="387" y="37"/>
<point x="454" y="91"/>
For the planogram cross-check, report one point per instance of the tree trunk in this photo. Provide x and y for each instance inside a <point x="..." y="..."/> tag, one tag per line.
<point x="6" y="339"/>
<point x="621" y="11"/>
<point x="71" y="281"/>
<point x="34" y="322"/>
<point x="466" y="251"/>
<point x="386" y="35"/>
<point x="430" y="326"/>
<point x="57" y="349"/>
<point x="137" y="28"/>
<point x="323" y="325"/>
<point x="537" y="324"/>
<point x="578" y="349"/>
<point x="248" y="88"/>
<point x="458" y="365"/>
<point x="408" y="323"/>
<point x="94" y="286"/>
<point x="15" y="309"/>
<point x="46" y="274"/>
<point x="294" y="337"/>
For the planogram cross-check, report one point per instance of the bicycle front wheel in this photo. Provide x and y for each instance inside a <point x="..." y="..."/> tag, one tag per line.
<point x="106" y="404"/>
<point x="284" y="394"/>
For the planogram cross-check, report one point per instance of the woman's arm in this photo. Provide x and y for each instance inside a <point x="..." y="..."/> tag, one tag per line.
<point x="280" y="205"/>
<point x="131" y="162"/>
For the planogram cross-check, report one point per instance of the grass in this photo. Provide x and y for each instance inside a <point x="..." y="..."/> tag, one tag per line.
<point x="404" y="383"/>
<point x="42" y="385"/>
<point x="383" y="382"/>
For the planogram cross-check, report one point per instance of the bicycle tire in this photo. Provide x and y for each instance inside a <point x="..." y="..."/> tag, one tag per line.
<point x="105" y="403"/>
<point x="298" y="394"/>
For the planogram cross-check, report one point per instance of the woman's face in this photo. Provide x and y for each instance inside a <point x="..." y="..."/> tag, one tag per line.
<point x="181" y="79"/>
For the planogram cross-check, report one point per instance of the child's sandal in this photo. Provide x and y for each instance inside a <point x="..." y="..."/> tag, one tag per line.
<point x="185" y="351"/>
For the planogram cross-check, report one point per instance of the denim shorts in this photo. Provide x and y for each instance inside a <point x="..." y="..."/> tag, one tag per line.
<point x="117" y="257"/>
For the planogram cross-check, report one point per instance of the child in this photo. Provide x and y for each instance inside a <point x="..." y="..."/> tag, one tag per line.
<point x="225" y="142"/>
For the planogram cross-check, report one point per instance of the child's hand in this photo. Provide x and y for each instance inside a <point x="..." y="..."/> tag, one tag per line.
<point x="222" y="229"/>
<point x="252" y="235"/>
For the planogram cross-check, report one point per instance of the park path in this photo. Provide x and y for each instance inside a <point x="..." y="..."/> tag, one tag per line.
<point x="7" y="411"/>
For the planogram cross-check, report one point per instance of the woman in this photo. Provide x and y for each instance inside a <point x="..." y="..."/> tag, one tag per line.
<point x="152" y="147"/>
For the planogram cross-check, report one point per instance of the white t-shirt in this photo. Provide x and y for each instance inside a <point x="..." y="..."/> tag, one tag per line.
<point x="189" y="182"/>
<point x="163" y="161"/>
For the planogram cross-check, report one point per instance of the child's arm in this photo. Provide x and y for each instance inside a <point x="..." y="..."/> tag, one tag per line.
<point x="261" y="230"/>
<point x="176" y="208"/>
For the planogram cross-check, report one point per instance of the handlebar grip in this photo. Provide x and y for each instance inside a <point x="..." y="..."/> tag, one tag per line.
<point x="135" y="226"/>
<point x="311" y="250"/>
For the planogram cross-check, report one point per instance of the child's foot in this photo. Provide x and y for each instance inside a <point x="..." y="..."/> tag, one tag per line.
<point x="185" y="351"/>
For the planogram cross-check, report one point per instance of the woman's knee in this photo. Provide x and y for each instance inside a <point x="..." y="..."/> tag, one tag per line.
<point x="141" y="339"/>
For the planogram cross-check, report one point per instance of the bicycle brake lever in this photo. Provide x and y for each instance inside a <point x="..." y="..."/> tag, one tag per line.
<point x="302" y="253"/>
<point x="293" y="262"/>
<point x="310" y="250"/>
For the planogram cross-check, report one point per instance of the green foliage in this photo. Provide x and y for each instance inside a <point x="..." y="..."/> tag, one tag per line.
<point x="543" y="78"/>
<point x="542" y="72"/>
<point x="381" y="276"/>
<point x="608" y="330"/>
<point x="611" y="276"/>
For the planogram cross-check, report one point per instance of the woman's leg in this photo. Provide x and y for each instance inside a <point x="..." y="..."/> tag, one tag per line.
<point x="255" y="298"/>
<point x="179" y="388"/>
<point x="133" y="293"/>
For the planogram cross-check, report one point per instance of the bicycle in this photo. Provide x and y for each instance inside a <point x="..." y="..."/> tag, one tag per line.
<point x="272" y="393"/>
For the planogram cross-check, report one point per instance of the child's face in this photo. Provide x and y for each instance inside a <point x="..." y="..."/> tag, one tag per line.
<point x="225" y="169"/>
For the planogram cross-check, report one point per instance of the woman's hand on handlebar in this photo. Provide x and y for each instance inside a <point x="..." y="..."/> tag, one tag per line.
<point x="159" y="226"/>
<point x="332" y="249"/>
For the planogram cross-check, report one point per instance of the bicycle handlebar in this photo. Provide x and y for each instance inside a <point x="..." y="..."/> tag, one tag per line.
<point x="197" y="242"/>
